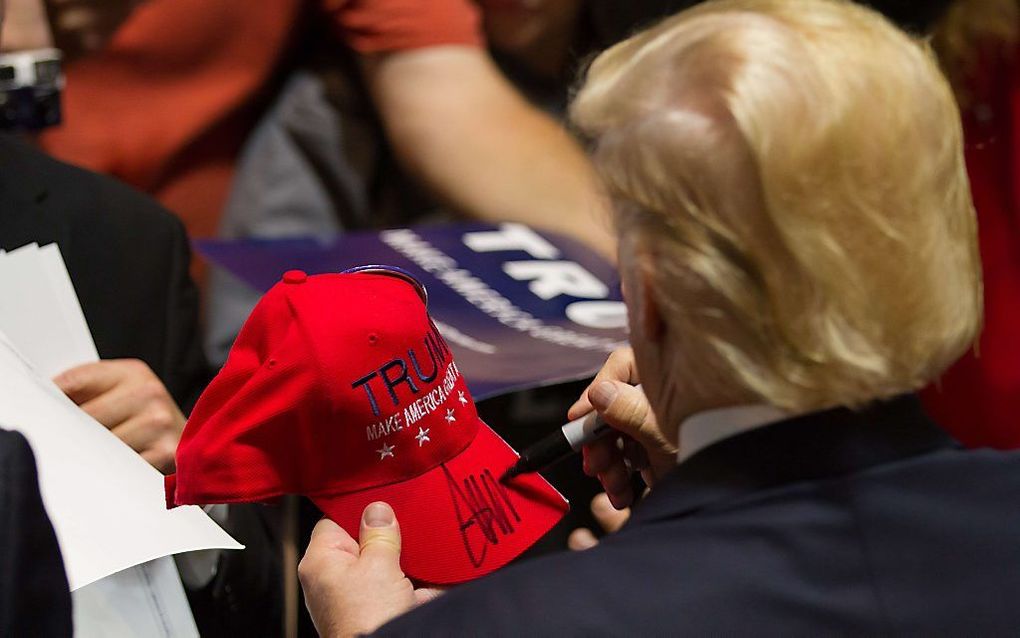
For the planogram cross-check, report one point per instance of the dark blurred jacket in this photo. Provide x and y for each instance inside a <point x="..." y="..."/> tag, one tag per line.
<point x="35" y="599"/>
<point x="128" y="259"/>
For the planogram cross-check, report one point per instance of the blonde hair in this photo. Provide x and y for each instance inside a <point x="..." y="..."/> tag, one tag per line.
<point x="795" y="169"/>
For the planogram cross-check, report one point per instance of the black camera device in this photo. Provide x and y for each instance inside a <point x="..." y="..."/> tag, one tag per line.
<point x="30" y="87"/>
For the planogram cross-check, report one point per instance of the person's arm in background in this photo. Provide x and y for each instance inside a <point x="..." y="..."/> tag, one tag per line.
<point x="458" y="125"/>
<point x="24" y="26"/>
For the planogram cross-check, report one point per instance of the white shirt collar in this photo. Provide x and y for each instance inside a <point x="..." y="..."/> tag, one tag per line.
<point x="705" y="428"/>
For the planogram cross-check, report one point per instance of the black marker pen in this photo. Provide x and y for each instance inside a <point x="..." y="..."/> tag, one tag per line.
<point x="567" y="440"/>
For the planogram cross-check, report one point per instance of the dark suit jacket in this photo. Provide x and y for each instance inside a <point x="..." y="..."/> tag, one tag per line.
<point x="128" y="259"/>
<point x="34" y="596"/>
<point x="831" y="524"/>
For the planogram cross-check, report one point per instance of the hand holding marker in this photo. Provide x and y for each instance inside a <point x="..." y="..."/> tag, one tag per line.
<point x="567" y="440"/>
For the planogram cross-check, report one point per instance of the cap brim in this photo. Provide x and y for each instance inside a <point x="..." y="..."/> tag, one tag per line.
<point x="457" y="521"/>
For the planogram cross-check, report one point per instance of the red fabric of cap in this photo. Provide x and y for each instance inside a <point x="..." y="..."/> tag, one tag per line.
<point x="465" y="522"/>
<point x="340" y="388"/>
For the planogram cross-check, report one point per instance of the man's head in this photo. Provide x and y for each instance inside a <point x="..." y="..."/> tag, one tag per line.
<point x="794" y="210"/>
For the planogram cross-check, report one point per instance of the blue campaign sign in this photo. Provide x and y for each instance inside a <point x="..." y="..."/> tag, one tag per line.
<point x="519" y="308"/>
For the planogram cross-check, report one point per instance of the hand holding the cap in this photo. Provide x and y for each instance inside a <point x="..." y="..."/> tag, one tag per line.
<point x="128" y="398"/>
<point x="624" y="407"/>
<point x="353" y="587"/>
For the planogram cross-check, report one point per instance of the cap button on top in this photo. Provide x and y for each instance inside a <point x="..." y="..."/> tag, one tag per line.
<point x="294" y="277"/>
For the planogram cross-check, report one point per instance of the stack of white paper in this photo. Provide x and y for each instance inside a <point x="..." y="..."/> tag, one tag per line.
<point x="39" y="311"/>
<point x="106" y="503"/>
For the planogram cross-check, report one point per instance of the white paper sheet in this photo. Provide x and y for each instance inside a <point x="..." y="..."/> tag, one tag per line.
<point x="32" y="315"/>
<point x="105" y="502"/>
<point x="76" y="342"/>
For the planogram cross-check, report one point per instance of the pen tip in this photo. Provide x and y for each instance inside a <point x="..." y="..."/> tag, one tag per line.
<point x="509" y="474"/>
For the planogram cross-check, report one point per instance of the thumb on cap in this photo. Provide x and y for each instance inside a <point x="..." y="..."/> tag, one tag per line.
<point x="380" y="535"/>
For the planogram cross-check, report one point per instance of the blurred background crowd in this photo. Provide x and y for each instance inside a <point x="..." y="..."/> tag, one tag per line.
<point x="284" y="118"/>
<point x="294" y="118"/>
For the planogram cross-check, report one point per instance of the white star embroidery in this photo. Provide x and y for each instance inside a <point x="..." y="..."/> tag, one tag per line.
<point x="449" y="416"/>
<point x="422" y="436"/>
<point x="385" y="450"/>
<point x="460" y="397"/>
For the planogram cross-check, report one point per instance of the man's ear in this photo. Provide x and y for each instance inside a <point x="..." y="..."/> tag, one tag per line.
<point x="652" y="323"/>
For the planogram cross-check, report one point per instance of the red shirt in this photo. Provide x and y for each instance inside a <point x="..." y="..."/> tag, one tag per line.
<point x="978" y="399"/>
<point x="166" y="105"/>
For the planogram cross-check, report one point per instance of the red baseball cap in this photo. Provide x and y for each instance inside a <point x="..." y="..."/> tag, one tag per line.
<point x="340" y="388"/>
